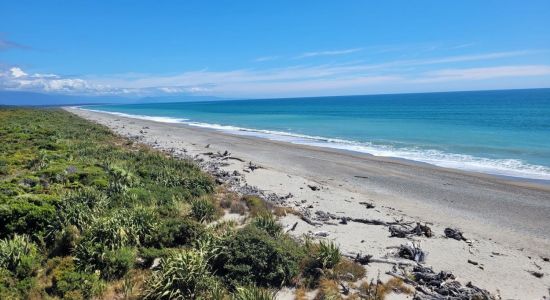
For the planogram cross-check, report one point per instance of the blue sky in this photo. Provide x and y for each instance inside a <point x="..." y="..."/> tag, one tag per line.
<point x="272" y="48"/>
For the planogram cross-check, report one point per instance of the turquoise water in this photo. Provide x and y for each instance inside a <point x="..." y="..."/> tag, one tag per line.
<point x="497" y="132"/>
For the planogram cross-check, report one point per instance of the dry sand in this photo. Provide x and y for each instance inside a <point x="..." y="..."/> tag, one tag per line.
<point x="507" y="221"/>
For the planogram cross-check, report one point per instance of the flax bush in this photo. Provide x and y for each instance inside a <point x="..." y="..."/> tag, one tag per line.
<point x="253" y="293"/>
<point x="182" y="275"/>
<point x="19" y="255"/>
<point x="203" y="210"/>
<point x="268" y="223"/>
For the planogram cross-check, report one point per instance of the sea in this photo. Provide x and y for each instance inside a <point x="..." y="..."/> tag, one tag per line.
<point x="504" y="132"/>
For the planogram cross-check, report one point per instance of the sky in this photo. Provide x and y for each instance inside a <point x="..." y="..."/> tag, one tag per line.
<point x="266" y="49"/>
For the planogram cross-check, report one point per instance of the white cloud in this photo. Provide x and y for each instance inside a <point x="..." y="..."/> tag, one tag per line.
<point x="266" y="58"/>
<point x="288" y="81"/>
<point x="485" y="73"/>
<point x="16" y="79"/>
<point x="17" y="72"/>
<point x="329" y="53"/>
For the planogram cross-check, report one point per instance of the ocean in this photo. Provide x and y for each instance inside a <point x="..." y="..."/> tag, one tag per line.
<point x="504" y="132"/>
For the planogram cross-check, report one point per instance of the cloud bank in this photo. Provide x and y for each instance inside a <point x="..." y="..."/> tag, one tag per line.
<point x="297" y="80"/>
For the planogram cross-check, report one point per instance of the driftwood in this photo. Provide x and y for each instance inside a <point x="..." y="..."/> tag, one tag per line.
<point x="394" y="262"/>
<point x="313" y="187"/>
<point x="293" y="227"/>
<point x="405" y="279"/>
<point x="403" y="231"/>
<point x="368" y="205"/>
<point x="367" y="259"/>
<point x="218" y="154"/>
<point x="233" y="158"/>
<point x="362" y="259"/>
<point x="411" y="251"/>
<point x="309" y="221"/>
<point x="377" y="222"/>
<point x="251" y="166"/>
<point x="536" y="274"/>
<point x="345" y="288"/>
<point x="454" y="234"/>
<point x="369" y="221"/>
<point x="431" y="286"/>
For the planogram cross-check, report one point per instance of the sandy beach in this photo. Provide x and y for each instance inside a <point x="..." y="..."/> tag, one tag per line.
<point x="506" y="222"/>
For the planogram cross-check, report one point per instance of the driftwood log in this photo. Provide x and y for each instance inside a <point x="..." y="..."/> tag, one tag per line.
<point x="412" y="251"/>
<point x="431" y="285"/>
<point x="403" y="231"/>
<point x="251" y="166"/>
<point x="454" y="233"/>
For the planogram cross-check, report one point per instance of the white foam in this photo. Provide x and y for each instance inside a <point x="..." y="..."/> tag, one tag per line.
<point x="502" y="167"/>
<point x="142" y="117"/>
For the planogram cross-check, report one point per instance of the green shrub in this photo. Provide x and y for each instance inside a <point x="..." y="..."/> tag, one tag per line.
<point x="15" y="288"/>
<point x="215" y="291"/>
<point x="256" y="205"/>
<point x="328" y="255"/>
<point x="268" y="223"/>
<point x="25" y="215"/>
<point x="19" y="256"/>
<point x="77" y="210"/>
<point x="124" y="227"/>
<point x="348" y="270"/>
<point x="118" y="263"/>
<point x="321" y="256"/>
<point x="174" y="232"/>
<point x="91" y="257"/>
<point x="253" y="293"/>
<point x="120" y="180"/>
<point x="8" y="286"/>
<point x="198" y="184"/>
<point x="68" y="283"/>
<point x="253" y="257"/>
<point x="203" y="210"/>
<point x="89" y="196"/>
<point x="65" y="240"/>
<point x="148" y="255"/>
<point x="4" y="168"/>
<point x="183" y="275"/>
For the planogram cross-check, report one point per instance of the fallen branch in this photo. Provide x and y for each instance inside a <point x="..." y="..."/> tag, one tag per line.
<point x="234" y="158"/>
<point x="405" y="279"/>
<point x="454" y="233"/>
<point x="309" y="221"/>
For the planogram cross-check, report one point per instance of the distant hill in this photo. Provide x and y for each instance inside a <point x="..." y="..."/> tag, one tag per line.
<point x="39" y="99"/>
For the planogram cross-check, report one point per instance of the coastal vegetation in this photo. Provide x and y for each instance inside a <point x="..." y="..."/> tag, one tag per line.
<point x="87" y="214"/>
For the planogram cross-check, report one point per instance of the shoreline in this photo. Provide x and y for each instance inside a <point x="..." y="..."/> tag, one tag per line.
<point x="336" y="144"/>
<point x="497" y="215"/>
